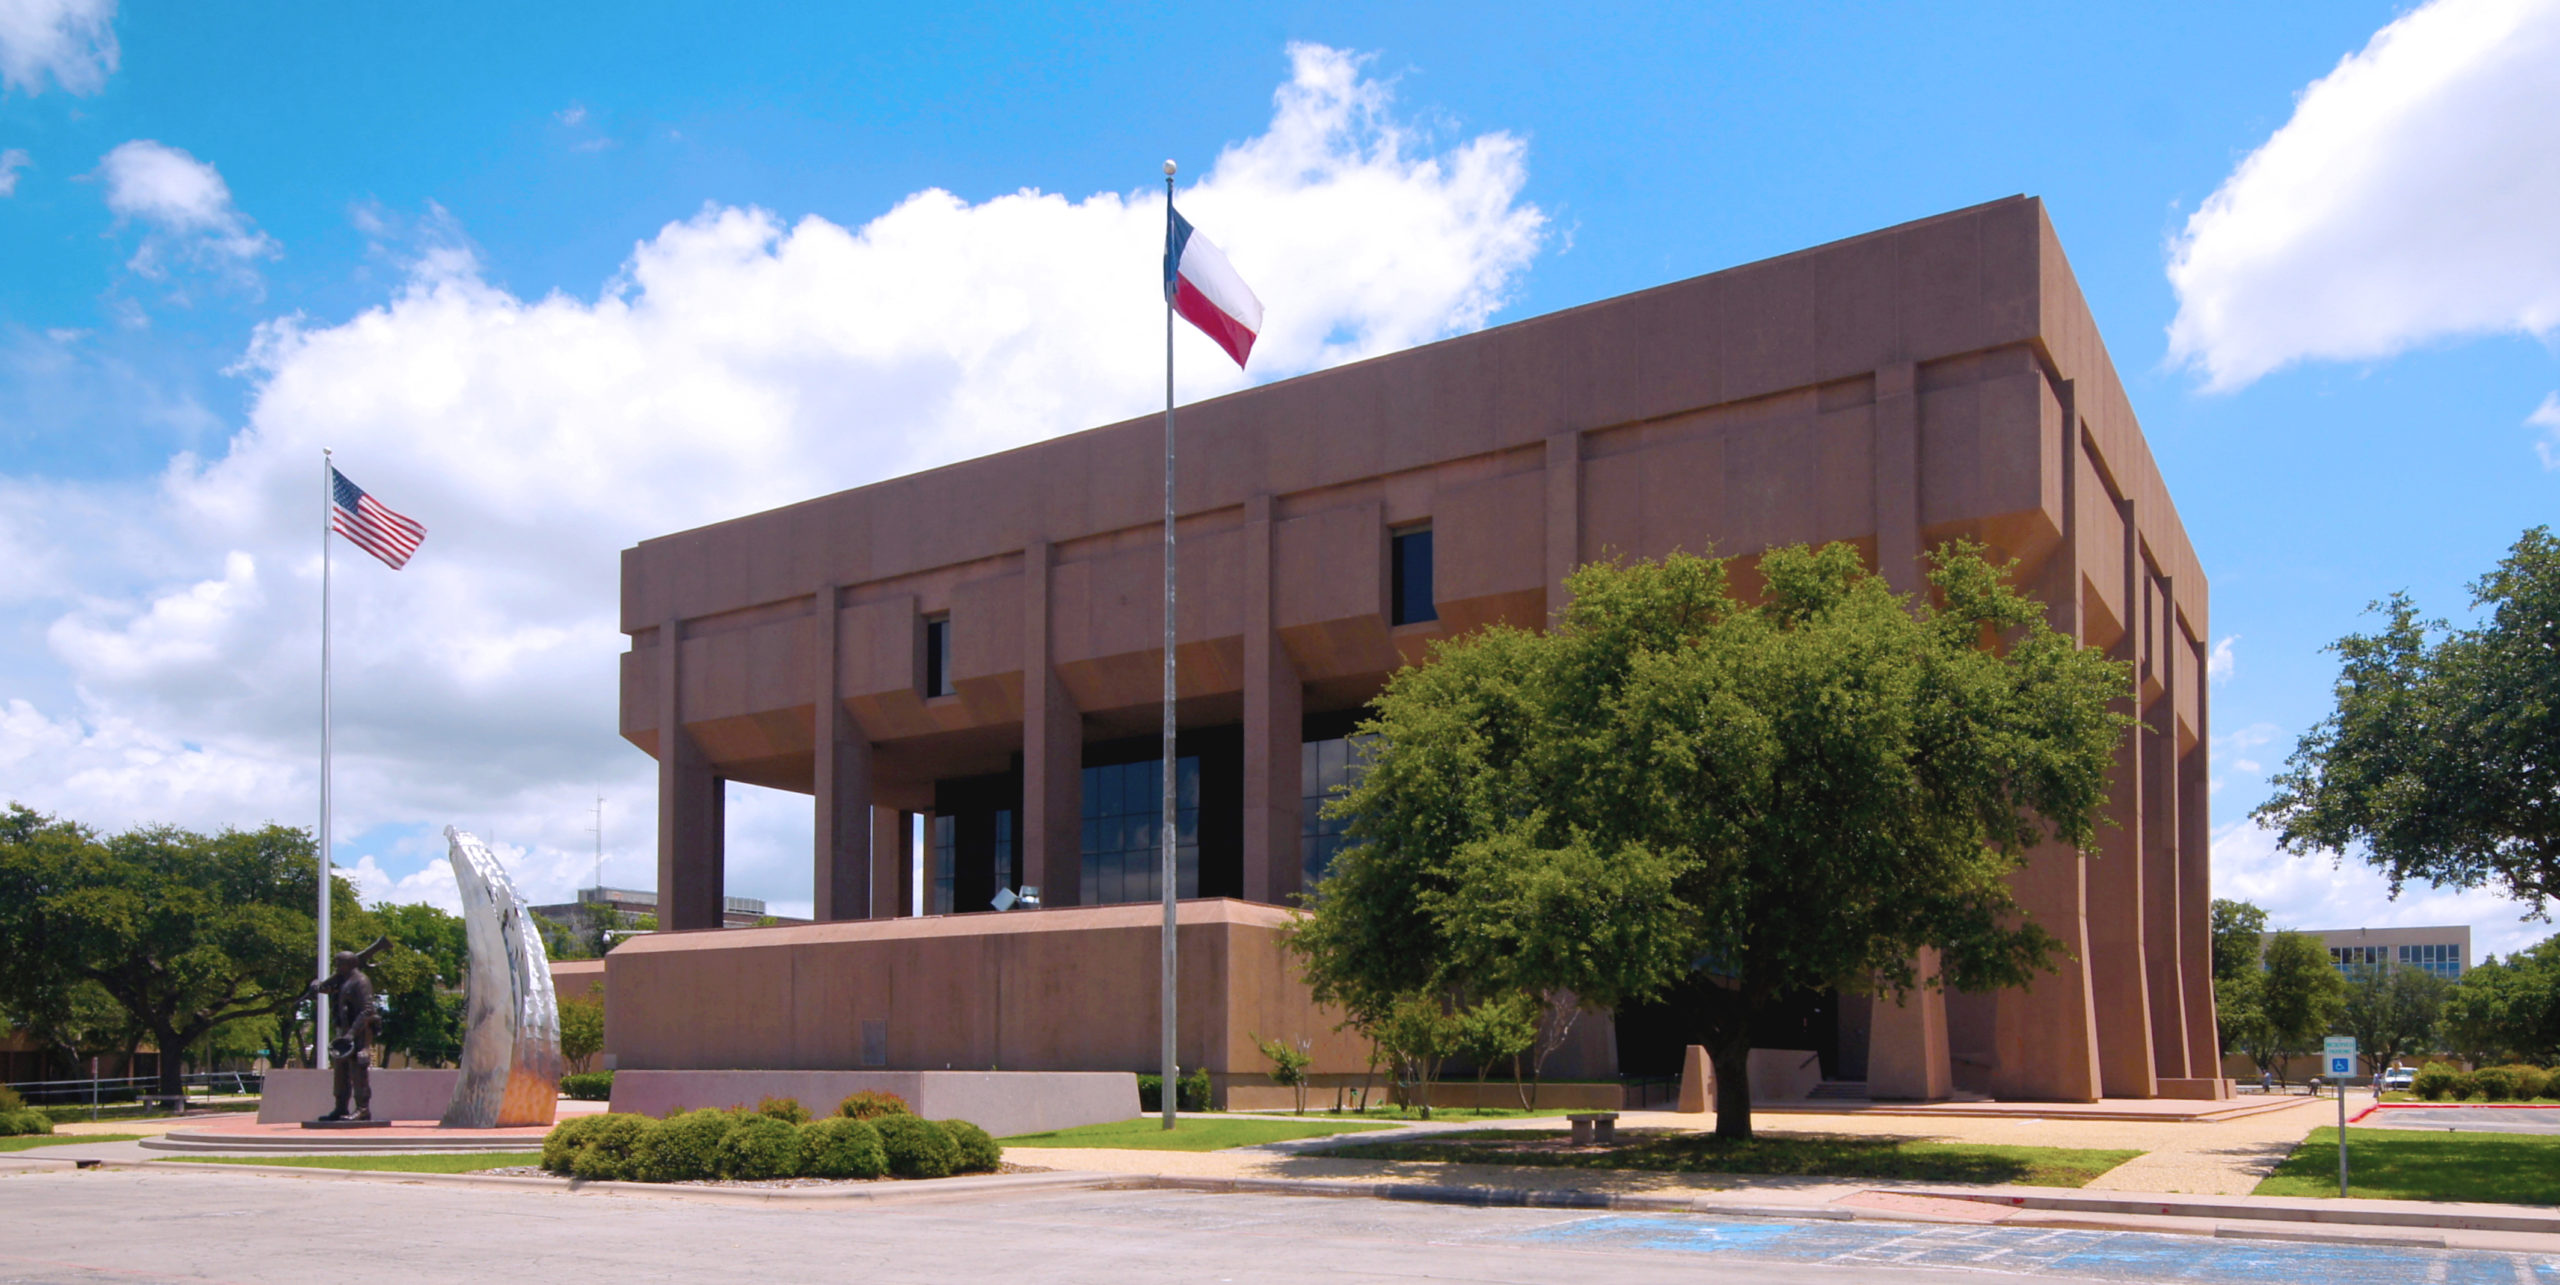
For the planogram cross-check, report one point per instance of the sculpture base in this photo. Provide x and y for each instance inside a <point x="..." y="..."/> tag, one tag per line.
<point x="346" y="1124"/>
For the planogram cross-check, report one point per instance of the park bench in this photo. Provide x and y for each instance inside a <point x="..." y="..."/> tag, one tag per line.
<point x="1594" y="1126"/>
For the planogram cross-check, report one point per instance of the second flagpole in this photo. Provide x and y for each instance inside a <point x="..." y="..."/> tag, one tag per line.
<point x="320" y="1007"/>
<point x="1165" y="835"/>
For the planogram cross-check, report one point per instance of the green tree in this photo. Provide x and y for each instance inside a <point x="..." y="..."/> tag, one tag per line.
<point x="1679" y="795"/>
<point x="2507" y="1008"/>
<point x="582" y="1027"/>
<point x="2300" y="996"/>
<point x="420" y="980"/>
<point x="2238" y="928"/>
<point x="184" y="931"/>
<point x="2391" y="1009"/>
<point x="1289" y="1062"/>
<point x="2436" y="762"/>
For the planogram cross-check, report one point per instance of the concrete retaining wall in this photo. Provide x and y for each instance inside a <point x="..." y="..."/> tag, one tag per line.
<point x="1003" y="1103"/>
<point x="419" y="1094"/>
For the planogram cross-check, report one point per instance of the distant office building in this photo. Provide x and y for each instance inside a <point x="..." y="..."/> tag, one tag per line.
<point x="624" y="904"/>
<point x="2444" y="951"/>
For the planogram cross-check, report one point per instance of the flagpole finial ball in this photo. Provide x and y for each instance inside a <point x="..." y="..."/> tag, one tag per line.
<point x="1168" y="169"/>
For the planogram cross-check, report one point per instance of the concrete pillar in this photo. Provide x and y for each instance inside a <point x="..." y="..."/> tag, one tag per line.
<point x="1897" y="476"/>
<point x="1564" y="515"/>
<point x="2118" y="880"/>
<point x="2195" y="889"/>
<point x="1697" y="1081"/>
<point x="2161" y="876"/>
<point x="891" y="846"/>
<point x="1907" y="1055"/>
<point x="841" y="777"/>
<point x="691" y="803"/>
<point x="1274" y="707"/>
<point x="1052" y="751"/>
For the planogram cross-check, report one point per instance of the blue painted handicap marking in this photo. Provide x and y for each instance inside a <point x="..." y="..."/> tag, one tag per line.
<point x="2087" y="1255"/>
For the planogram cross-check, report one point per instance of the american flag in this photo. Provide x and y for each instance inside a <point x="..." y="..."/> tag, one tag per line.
<point x="375" y="529"/>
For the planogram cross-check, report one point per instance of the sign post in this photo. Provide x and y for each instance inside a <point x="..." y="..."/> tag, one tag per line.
<point x="2338" y="1052"/>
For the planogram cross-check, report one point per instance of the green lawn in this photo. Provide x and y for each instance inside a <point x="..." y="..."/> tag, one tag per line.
<point x="1797" y="1155"/>
<point x="454" y="1162"/>
<point x="2405" y="1164"/>
<point x="1193" y="1132"/>
<point x="26" y="1141"/>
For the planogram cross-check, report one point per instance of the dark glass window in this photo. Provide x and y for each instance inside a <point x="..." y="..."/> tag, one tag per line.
<point x="1325" y="770"/>
<point x="1409" y="554"/>
<point x="946" y="864"/>
<point x="937" y="656"/>
<point x="1123" y="813"/>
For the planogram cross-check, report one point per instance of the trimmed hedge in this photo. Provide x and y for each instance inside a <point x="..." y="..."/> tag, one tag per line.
<point x="2437" y="1081"/>
<point x="840" y="1148"/>
<point x="871" y="1105"/>
<point x="695" y="1145"/>
<point x="686" y="1147"/>
<point x="762" y="1146"/>
<point x="588" y="1086"/>
<point x="974" y="1150"/>
<point x="917" y="1148"/>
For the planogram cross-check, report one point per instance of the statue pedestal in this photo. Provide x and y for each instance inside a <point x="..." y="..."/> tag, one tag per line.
<point x="346" y="1124"/>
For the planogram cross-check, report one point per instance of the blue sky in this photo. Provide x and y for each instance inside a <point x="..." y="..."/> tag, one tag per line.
<point x="522" y="266"/>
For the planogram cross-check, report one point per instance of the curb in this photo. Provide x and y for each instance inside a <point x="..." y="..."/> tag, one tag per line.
<point x="1490" y="1197"/>
<point x="2245" y="1209"/>
<point x="894" y="1192"/>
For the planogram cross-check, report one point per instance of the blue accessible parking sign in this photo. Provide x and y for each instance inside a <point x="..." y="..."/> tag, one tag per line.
<point x="2339" y="1052"/>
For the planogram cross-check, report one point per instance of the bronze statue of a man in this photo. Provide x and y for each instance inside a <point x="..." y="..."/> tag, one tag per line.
<point x="354" y="1021"/>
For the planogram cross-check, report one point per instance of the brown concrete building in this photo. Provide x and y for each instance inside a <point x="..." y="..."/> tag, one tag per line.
<point x="979" y="644"/>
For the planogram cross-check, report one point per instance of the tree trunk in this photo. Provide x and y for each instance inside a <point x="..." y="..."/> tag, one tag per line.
<point x="170" y="1082"/>
<point x="1731" y="1055"/>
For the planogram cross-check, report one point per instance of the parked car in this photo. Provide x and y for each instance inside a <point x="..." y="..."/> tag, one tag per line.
<point x="2397" y="1077"/>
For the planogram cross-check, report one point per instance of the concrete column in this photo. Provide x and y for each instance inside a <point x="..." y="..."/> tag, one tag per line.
<point x="2195" y="888"/>
<point x="691" y="798"/>
<point x="891" y="847"/>
<point x="1274" y="707"/>
<point x="1564" y="515"/>
<point x="1052" y="751"/>
<point x="1897" y="473"/>
<point x="1907" y="1055"/>
<point x="841" y="777"/>
<point x="2044" y="1040"/>
<point x="2161" y="874"/>
<point x="2118" y="879"/>
<point x="1907" y="1042"/>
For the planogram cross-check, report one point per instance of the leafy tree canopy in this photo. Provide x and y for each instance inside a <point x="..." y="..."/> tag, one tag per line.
<point x="1675" y="786"/>
<point x="2508" y="1008"/>
<point x="2391" y="1009"/>
<point x="2439" y="760"/>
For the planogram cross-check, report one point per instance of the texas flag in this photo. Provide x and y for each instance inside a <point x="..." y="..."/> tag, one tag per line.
<point x="1204" y="288"/>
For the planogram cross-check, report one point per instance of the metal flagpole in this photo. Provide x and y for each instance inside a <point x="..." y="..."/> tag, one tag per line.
<point x="1172" y="1073"/>
<point x="320" y="1005"/>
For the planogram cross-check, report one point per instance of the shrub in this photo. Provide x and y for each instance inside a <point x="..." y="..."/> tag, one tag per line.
<point x="1191" y="1093"/>
<point x="2497" y="1083"/>
<point x="2551" y="1082"/>
<point x="611" y="1150"/>
<point x="973" y="1150"/>
<point x="837" y="1147"/>
<point x="916" y="1148"/>
<point x="787" y="1110"/>
<point x="16" y="1123"/>
<point x="870" y="1105"/>
<point x="10" y="1102"/>
<point x="588" y="1086"/>
<point x="2434" y="1081"/>
<point x="761" y="1146"/>
<point x="686" y="1147"/>
<point x="2531" y="1081"/>
<point x="565" y="1140"/>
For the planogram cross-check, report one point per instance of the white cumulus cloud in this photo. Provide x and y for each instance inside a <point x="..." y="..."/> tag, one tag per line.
<point x="2224" y="661"/>
<point x="2410" y="198"/>
<point x="12" y="161"/>
<point x="2318" y="892"/>
<point x="2547" y="418"/>
<point x="739" y="360"/>
<point x="186" y="210"/>
<point x="70" y="42"/>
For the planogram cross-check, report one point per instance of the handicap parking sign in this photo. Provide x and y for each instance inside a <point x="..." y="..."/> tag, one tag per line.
<point x="2339" y="1052"/>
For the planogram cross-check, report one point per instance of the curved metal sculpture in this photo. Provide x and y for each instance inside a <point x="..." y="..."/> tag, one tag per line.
<point x="511" y="1060"/>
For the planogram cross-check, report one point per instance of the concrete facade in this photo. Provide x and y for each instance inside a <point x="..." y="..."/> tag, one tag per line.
<point x="1936" y="380"/>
